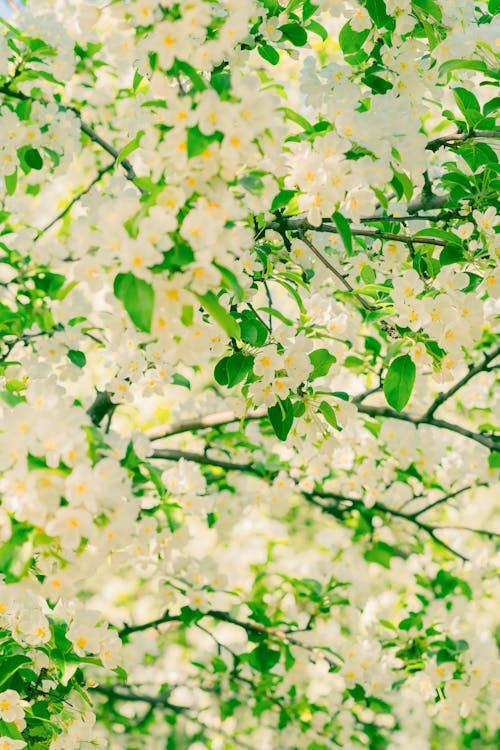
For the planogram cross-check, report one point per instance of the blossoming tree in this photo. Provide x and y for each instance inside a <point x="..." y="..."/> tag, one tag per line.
<point x="248" y="288"/>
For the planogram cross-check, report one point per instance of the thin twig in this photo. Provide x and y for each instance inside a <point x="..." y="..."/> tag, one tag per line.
<point x="335" y="272"/>
<point x="473" y="370"/>
<point x="125" y="164"/>
<point x="74" y="200"/>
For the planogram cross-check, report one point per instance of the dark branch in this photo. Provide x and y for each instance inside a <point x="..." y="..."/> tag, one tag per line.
<point x="86" y="129"/>
<point x="455" y="139"/>
<point x="473" y="370"/>
<point x="343" y="280"/>
<point x="302" y="225"/>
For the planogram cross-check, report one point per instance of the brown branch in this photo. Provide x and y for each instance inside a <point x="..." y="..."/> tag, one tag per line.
<point x="200" y="458"/>
<point x="124" y="693"/>
<point x="310" y="497"/>
<point x="202" y="423"/>
<point x="441" y="500"/>
<point x="458" y="138"/>
<point x="125" y="164"/>
<point x="343" y="280"/>
<point x="358" y="502"/>
<point x="255" y="628"/>
<point x="381" y="411"/>
<point x="473" y="370"/>
<point x="74" y="200"/>
<point x="302" y="225"/>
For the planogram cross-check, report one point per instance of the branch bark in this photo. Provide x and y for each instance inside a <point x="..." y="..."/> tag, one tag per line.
<point x="458" y="138"/>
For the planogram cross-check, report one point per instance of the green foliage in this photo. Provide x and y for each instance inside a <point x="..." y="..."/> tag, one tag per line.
<point x="137" y="297"/>
<point x="399" y="381"/>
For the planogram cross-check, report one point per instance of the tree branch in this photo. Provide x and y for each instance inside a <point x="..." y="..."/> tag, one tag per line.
<point x="199" y="458"/>
<point x="336" y="273"/>
<point x="74" y="200"/>
<point x="202" y="423"/>
<point x="310" y="497"/>
<point x="473" y="370"/>
<point x="301" y="225"/>
<point x="458" y="138"/>
<point x="255" y="628"/>
<point x="492" y="443"/>
<point x="125" y="164"/>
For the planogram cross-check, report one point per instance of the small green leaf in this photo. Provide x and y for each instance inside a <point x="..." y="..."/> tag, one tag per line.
<point x="494" y="460"/>
<point x="290" y="114"/>
<point x="282" y="199"/>
<point x="318" y="29"/>
<point x="32" y="158"/>
<point x="77" y="357"/>
<point x="380" y="553"/>
<point x="263" y="658"/>
<point x="295" y="33"/>
<point x="399" y="382"/>
<point x="10" y="665"/>
<point x="268" y="53"/>
<point x="132" y="146"/>
<point x="198" y="142"/>
<point x="226" y="321"/>
<point x="281" y="418"/>
<point x="328" y="412"/>
<point x="232" y="370"/>
<point x="137" y="297"/>
<point x="178" y="379"/>
<point x="321" y="360"/>
<point x="253" y="331"/>
<point x="344" y="229"/>
<point x="11" y="182"/>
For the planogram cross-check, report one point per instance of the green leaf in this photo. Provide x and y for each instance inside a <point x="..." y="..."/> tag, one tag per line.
<point x="263" y="658"/>
<point x="78" y="358"/>
<point x="137" y="297"/>
<point x="318" y="29"/>
<point x="380" y="553"/>
<point x="290" y="114"/>
<point x="33" y="158"/>
<point x="459" y="64"/>
<point x="494" y="460"/>
<point x="178" y="379"/>
<point x="328" y="412"/>
<point x="282" y="199"/>
<point x="429" y="7"/>
<point x="253" y="331"/>
<point x="352" y="41"/>
<point x="321" y="360"/>
<point x="232" y="370"/>
<point x="378" y="12"/>
<point x="281" y="418"/>
<point x="295" y="33"/>
<point x="11" y="182"/>
<point x="132" y="146"/>
<point x="268" y="53"/>
<point x="198" y="142"/>
<point x="344" y="230"/>
<point x="10" y="665"/>
<point x="181" y="66"/>
<point x="399" y="381"/>
<point x="226" y="321"/>
<point x="276" y="314"/>
<point x="494" y="7"/>
<point x="308" y="9"/>
<point x="230" y="281"/>
<point x="368" y="275"/>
